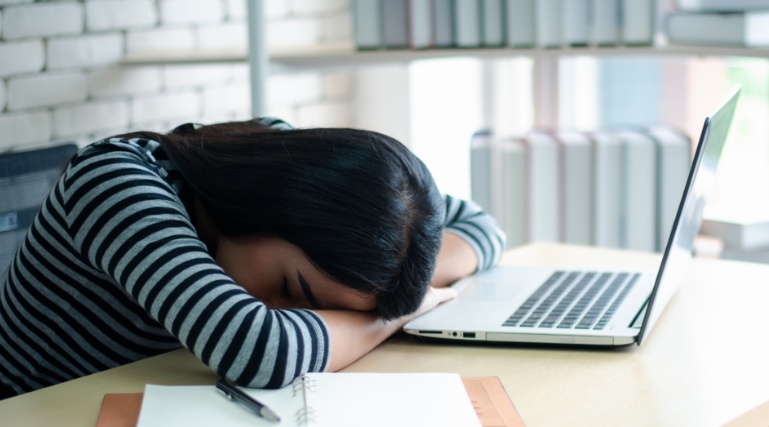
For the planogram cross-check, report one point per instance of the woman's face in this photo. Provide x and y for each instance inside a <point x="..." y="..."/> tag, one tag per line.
<point x="280" y="275"/>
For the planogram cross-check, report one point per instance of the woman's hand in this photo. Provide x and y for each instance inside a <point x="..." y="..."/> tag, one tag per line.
<point x="355" y="333"/>
<point x="433" y="298"/>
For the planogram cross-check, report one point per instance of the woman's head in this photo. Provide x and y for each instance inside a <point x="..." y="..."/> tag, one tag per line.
<point x="357" y="203"/>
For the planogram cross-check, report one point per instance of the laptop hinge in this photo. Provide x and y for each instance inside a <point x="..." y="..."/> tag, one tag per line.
<point x="638" y="320"/>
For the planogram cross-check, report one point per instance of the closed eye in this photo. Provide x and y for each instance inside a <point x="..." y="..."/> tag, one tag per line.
<point x="284" y="289"/>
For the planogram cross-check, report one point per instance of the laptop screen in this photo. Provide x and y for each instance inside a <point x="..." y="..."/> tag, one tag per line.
<point x="678" y="252"/>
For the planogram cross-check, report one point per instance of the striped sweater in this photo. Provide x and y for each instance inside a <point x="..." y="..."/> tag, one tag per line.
<point x="112" y="271"/>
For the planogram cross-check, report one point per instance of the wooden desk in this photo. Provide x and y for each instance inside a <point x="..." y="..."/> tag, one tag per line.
<point x="704" y="364"/>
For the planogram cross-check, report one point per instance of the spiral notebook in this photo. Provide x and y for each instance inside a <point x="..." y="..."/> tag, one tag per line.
<point x="322" y="399"/>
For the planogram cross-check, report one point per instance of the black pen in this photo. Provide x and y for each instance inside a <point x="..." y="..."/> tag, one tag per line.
<point x="236" y="395"/>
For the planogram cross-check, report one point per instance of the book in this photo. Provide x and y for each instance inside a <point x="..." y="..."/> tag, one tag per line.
<point x="512" y="155"/>
<point x="575" y="19"/>
<point x="482" y="171"/>
<point x="637" y="22"/>
<point x="395" y="29"/>
<point x="467" y="23"/>
<point x="607" y="190"/>
<point x="367" y="20"/>
<point x="604" y="22"/>
<point x="492" y="23"/>
<point x="543" y="187"/>
<point x="673" y="164"/>
<point x="420" y="22"/>
<point x="639" y="200"/>
<point x="721" y="5"/>
<point x="443" y="23"/>
<point x="720" y="29"/>
<point x="548" y="23"/>
<point x="576" y="171"/>
<point x="520" y="23"/>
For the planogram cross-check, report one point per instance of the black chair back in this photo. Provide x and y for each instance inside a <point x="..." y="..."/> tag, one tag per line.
<point x="26" y="179"/>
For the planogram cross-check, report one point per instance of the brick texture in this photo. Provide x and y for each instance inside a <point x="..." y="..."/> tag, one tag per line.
<point x="61" y="77"/>
<point x="103" y="15"/>
<point x="21" y="57"/>
<point x="45" y="90"/>
<point x="191" y="11"/>
<point x="25" y="129"/>
<point x="42" y="19"/>
<point x="85" y="51"/>
<point x="90" y="118"/>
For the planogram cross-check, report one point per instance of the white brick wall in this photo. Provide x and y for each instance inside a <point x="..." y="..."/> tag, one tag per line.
<point x="88" y="118"/>
<point x="42" y="19"/>
<point x="21" y="57"/>
<point x="85" y="51"/>
<point x="183" y="106"/>
<point x="46" y="89"/>
<point x="191" y="11"/>
<point x="25" y="129"/>
<point x="224" y="36"/>
<point x="60" y="77"/>
<point x="125" y="81"/>
<point x="103" y="15"/>
<point x="170" y="39"/>
<point x="196" y="76"/>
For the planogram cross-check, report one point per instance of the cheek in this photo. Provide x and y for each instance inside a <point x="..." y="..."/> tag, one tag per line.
<point x="255" y="274"/>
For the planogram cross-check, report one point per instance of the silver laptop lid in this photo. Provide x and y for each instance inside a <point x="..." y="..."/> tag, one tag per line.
<point x="678" y="252"/>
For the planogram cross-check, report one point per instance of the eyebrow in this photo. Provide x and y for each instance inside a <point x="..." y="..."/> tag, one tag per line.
<point x="307" y="291"/>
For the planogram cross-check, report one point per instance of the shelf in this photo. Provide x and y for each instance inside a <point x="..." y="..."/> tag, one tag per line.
<point x="344" y="56"/>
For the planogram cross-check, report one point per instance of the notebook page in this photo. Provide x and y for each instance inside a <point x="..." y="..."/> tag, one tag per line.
<point x="390" y="399"/>
<point x="204" y="406"/>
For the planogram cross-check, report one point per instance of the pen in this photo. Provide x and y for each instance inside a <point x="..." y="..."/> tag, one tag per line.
<point x="236" y="395"/>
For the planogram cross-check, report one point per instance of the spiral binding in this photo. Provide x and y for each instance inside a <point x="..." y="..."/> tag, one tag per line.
<point x="303" y="385"/>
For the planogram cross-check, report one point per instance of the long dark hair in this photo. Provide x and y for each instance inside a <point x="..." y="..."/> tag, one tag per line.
<point x="362" y="207"/>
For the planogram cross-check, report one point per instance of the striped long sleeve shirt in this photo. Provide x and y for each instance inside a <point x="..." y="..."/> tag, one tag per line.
<point x="112" y="271"/>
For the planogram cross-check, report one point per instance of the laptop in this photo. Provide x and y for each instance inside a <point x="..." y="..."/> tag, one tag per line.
<point x="583" y="306"/>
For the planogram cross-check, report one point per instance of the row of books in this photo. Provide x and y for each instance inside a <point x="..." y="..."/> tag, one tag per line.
<point x="434" y="24"/>
<point x="740" y="23"/>
<point x="617" y="189"/>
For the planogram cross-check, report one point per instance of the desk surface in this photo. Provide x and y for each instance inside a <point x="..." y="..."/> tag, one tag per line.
<point x="703" y="364"/>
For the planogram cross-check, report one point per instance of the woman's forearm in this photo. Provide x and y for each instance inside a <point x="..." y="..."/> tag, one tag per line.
<point x="456" y="260"/>
<point x="355" y="333"/>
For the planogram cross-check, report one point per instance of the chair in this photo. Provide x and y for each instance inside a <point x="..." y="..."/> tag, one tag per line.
<point x="26" y="179"/>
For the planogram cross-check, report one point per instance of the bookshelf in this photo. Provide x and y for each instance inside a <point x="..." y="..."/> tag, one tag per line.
<point x="346" y="57"/>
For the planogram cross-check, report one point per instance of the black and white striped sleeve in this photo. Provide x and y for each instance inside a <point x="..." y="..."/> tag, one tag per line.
<point x="479" y="229"/>
<point x="129" y="223"/>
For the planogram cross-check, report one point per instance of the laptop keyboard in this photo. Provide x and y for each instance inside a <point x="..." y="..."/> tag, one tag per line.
<point x="574" y="300"/>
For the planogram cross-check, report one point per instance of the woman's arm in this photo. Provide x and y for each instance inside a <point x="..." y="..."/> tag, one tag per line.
<point x="456" y="260"/>
<point x="473" y="241"/>
<point x="355" y="333"/>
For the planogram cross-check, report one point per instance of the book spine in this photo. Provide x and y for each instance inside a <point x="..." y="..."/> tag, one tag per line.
<point x="368" y="24"/>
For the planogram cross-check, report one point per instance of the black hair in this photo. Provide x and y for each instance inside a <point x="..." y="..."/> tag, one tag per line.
<point x="362" y="207"/>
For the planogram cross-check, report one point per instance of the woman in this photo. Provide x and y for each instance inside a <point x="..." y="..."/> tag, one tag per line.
<point x="267" y="251"/>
